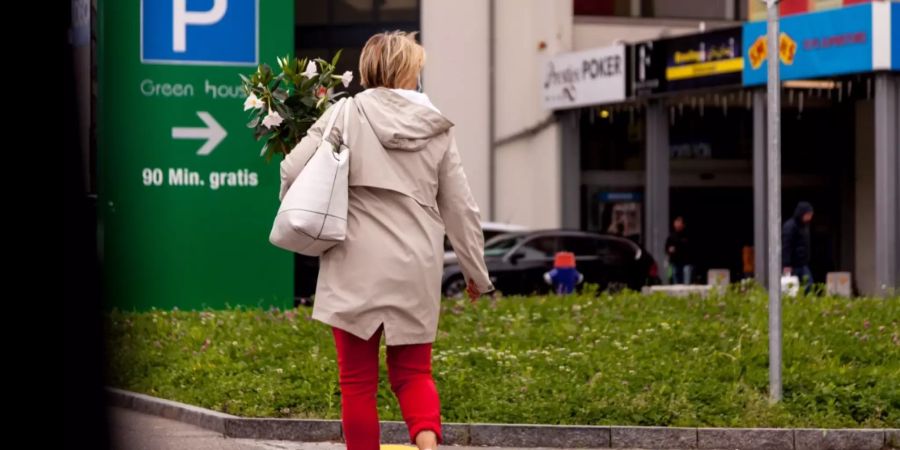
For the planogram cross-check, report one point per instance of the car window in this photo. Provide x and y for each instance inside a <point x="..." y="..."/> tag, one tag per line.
<point x="581" y="246"/>
<point x="615" y="252"/>
<point x="541" y="247"/>
<point x="499" y="247"/>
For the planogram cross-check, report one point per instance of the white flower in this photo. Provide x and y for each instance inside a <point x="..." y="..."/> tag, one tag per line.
<point x="346" y="78"/>
<point x="310" y="71"/>
<point x="253" y="102"/>
<point x="321" y="100"/>
<point x="273" y="119"/>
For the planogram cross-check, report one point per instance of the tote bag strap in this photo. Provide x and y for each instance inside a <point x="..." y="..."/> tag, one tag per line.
<point x="345" y="133"/>
<point x="332" y="118"/>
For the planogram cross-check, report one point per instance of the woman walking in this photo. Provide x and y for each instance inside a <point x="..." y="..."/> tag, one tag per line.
<point x="407" y="189"/>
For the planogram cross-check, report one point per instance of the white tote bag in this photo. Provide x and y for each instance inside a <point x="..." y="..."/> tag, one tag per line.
<point x="312" y="217"/>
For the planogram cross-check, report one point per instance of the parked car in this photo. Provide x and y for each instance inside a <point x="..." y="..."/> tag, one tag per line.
<point x="490" y="230"/>
<point x="518" y="261"/>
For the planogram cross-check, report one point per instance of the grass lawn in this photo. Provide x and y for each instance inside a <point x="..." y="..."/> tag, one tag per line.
<point x="624" y="359"/>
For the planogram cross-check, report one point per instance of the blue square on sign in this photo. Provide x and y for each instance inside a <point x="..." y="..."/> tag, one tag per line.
<point x="206" y="32"/>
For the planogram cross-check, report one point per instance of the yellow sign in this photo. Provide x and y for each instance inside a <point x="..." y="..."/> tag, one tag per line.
<point x="690" y="56"/>
<point x="787" y="50"/>
<point x="705" y="69"/>
<point x="757" y="52"/>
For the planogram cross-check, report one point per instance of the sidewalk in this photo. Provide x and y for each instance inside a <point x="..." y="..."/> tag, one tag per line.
<point x="280" y="433"/>
<point x="136" y="431"/>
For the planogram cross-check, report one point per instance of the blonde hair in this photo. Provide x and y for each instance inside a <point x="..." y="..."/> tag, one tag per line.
<point x="391" y="59"/>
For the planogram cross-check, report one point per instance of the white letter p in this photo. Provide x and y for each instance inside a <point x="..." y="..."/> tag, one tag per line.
<point x="181" y="18"/>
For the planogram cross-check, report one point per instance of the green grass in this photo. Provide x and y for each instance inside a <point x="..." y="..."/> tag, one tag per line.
<point x="624" y="359"/>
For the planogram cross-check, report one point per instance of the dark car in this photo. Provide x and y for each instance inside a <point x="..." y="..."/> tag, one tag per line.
<point x="517" y="262"/>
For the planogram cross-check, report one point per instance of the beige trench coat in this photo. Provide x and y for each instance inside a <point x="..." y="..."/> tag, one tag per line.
<point x="407" y="188"/>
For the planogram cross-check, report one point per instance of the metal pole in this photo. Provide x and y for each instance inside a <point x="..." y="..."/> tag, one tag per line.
<point x="773" y="129"/>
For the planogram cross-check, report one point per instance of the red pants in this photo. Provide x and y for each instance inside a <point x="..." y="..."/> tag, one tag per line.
<point x="409" y="371"/>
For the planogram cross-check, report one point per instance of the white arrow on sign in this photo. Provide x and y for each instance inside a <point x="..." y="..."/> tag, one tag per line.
<point x="213" y="133"/>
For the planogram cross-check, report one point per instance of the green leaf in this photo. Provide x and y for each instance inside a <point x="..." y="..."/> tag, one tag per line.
<point x="337" y="56"/>
<point x="307" y="84"/>
<point x="253" y="123"/>
<point x="277" y="146"/>
<point x="283" y="112"/>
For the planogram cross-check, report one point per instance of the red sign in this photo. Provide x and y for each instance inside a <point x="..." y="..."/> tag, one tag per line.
<point x="836" y="40"/>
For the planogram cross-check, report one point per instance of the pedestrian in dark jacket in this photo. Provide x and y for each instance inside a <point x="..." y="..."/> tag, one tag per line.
<point x="795" y="245"/>
<point x="678" y="251"/>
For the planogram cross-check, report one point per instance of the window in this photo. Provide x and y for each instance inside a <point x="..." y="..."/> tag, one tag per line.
<point x="581" y="246"/>
<point x="612" y="139"/>
<point x="712" y="131"/>
<point x="541" y="247"/>
<point x="311" y="12"/>
<point x="673" y="9"/>
<point x="325" y="26"/>
<point x="354" y="11"/>
<point x="499" y="247"/>
<point x="399" y="11"/>
<point x="613" y="252"/>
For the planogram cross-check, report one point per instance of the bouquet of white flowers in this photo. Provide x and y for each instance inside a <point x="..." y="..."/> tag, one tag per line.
<point x="284" y="106"/>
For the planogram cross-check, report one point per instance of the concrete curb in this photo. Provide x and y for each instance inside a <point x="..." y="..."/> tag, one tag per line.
<point x="513" y="435"/>
<point x="201" y="417"/>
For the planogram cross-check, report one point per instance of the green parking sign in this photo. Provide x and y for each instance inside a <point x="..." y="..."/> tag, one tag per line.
<point x="186" y="203"/>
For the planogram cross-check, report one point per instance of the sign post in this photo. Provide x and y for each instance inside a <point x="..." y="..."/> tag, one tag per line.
<point x="773" y="113"/>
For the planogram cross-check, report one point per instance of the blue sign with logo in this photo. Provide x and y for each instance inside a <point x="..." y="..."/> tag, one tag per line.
<point x="813" y="45"/>
<point x="204" y="32"/>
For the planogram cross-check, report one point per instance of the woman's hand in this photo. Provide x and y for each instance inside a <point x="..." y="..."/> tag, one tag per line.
<point x="472" y="290"/>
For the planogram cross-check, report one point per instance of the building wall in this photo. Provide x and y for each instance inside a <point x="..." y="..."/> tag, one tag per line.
<point x="529" y="171"/>
<point x="455" y="36"/>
